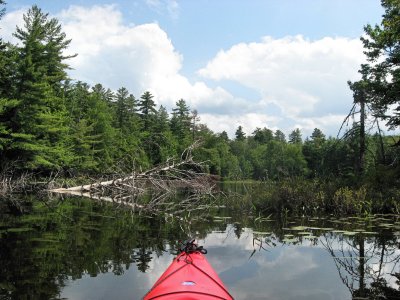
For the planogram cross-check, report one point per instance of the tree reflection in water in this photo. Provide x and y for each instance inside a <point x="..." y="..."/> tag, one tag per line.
<point x="54" y="243"/>
<point x="368" y="266"/>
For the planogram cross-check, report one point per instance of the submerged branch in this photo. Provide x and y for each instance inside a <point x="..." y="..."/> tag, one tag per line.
<point x="164" y="179"/>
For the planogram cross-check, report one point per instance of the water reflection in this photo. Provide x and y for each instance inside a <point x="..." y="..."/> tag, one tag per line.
<point x="368" y="267"/>
<point x="281" y="272"/>
<point x="79" y="249"/>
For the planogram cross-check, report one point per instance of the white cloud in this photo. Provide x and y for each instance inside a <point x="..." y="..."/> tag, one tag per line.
<point x="140" y="57"/>
<point x="9" y="22"/>
<point x="305" y="79"/>
<point x="171" y="7"/>
<point x="249" y="122"/>
<point x="330" y="123"/>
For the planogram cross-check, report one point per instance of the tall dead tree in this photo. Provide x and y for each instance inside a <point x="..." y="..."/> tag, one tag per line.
<point x="359" y="100"/>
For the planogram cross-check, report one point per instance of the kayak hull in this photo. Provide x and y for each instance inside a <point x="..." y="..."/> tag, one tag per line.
<point x="189" y="276"/>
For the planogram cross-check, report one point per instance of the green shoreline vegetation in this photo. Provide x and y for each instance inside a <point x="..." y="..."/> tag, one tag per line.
<point x="51" y="124"/>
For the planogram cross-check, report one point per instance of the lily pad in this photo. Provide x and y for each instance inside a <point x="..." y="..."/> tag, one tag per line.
<point x="222" y="218"/>
<point x="261" y="233"/>
<point x="298" y="228"/>
<point x="304" y="233"/>
<point x="386" y="225"/>
<point x="349" y="233"/>
<point x="337" y="221"/>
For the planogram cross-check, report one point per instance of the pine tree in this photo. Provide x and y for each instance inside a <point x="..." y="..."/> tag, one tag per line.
<point x="82" y="140"/>
<point x="239" y="134"/>
<point x="2" y="10"/>
<point x="381" y="76"/>
<point x="163" y="142"/>
<point x="224" y="136"/>
<point x="181" y="120"/>
<point x="38" y="121"/>
<point x="105" y="94"/>
<point x="295" y="137"/>
<point x="147" y="109"/>
<point x="318" y="137"/>
<point x="8" y="105"/>
<point x="313" y="151"/>
<point x="100" y="114"/>
<point x="125" y="109"/>
<point x="162" y="120"/>
<point x="263" y="136"/>
<point x="280" y="136"/>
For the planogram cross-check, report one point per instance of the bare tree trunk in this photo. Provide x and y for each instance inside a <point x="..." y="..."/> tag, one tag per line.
<point x="383" y="155"/>
<point x="361" y="162"/>
<point x="144" y="175"/>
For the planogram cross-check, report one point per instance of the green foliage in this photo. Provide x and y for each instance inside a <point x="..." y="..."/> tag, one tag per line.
<point x="180" y="122"/>
<point x="381" y="75"/>
<point x="2" y="10"/>
<point x="75" y="237"/>
<point x="146" y="107"/>
<point x="8" y="69"/>
<point x="49" y="123"/>
<point x="299" y="196"/>
<point x="125" y="110"/>
<point x="279" y="136"/>
<point x="33" y="112"/>
<point x="181" y="125"/>
<point x="295" y="137"/>
<point x="263" y="136"/>
<point x="348" y="201"/>
<point x="239" y="134"/>
<point x="292" y="195"/>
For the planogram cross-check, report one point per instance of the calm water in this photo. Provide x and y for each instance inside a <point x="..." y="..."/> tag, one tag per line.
<point x="76" y="248"/>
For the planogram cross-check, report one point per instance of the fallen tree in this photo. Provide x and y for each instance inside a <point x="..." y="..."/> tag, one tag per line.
<point x="175" y="174"/>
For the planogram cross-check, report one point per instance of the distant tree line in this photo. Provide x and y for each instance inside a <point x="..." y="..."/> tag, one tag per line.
<point x="48" y="122"/>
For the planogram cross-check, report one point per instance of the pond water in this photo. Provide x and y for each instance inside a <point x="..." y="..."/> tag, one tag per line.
<point x="75" y="248"/>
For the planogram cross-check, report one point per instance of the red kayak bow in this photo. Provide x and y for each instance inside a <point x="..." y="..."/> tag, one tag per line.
<point x="189" y="277"/>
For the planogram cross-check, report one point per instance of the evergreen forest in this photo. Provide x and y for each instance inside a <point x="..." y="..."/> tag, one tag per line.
<point x="49" y="122"/>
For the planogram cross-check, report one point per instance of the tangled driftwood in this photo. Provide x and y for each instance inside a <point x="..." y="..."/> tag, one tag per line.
<point x="159" y="182"/>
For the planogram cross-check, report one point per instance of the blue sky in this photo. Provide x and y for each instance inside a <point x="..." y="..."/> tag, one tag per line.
<point x="277" y="64"/>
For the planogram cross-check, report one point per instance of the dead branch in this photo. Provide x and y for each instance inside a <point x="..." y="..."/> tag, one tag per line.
<point x="174" y="174"/>
<point x="13" y="183"/>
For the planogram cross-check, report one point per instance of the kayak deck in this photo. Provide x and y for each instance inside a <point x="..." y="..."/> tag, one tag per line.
<point x="189" y="276"/>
